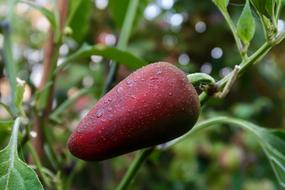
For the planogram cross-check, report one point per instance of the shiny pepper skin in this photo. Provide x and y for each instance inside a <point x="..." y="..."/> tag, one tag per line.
<point x="151" y="106"/>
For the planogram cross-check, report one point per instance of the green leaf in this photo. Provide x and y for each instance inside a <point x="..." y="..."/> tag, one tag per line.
<point x="115" y="54"/>
<point x="274" y="147"/>
<point x="19" y="93"/>
<point x="44" y="11"/>
<point x="269" y="6"/>
<point x="14" y="173"/>
<point x="119" y="10"/>
<point x="5" y="125"/>
<point x="260" y="6"/>
<point x="246" y="24"/>
<point x="271" y="141"/>
<point x="221" y="4"/>
<point x="78" y="19"/>
<point x="9" y="61"/>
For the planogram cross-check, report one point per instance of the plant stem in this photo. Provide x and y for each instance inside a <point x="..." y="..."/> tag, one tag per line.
<point x="136" y="164"/>
<point x="123" y="40"/>
<point x="50" y="63"/>
<point x="244" y="65"/>
<point x="198" y="78"/>
<point x="203" y="98"/>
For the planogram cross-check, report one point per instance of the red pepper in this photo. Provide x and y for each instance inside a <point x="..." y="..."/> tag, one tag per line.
<point x="151" y="106"/>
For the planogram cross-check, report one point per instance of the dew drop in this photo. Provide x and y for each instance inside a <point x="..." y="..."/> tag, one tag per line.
<point x="158" y="72"/>
<point x="153" y="78"/>
<point x="79" y="130"/>
<point x="170" y="94"/>
<point x="99" y="113"/>
<point x="108" y="101"/>
<point x="120" y="89"/>
<point x="82" y="128"/>
<point x="110" y="116"/>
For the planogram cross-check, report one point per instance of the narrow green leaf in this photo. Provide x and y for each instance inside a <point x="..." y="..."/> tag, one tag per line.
<point x="119" y="10"/>
<point x="221" y="4"/>
<point x="9" y="61"/>
<point x="44" y="11"/>
<point x="123" y="57"/>
<point x="273" y="144"/>
<point x="260" y="6"/>
<point x="269" y="6"/>
<point x="246" y="25"/>
<point x="78" y="20"/>
<point x="5" y="125"/>
<point x="14" y="173"/>
<point x="19" y="93"/>
<point x="271" y="141"/>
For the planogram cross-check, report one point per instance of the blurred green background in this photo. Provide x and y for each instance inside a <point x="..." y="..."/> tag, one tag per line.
<point x="190" y="34"/>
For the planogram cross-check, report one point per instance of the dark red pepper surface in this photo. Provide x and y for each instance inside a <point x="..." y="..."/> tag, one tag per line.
<point x="151" y="106"/>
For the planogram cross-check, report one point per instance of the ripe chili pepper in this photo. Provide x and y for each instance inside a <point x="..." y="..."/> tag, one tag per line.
<point x="151" y="106"/>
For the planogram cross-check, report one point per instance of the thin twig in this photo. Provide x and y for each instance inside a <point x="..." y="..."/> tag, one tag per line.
<point x="50" y="62"/>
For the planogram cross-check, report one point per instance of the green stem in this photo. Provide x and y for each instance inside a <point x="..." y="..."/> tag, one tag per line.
<point x="259" y="54"/>
<point x="198" y="78"/>
<point x="123" y="40"/>
<point x="11" y="7"/>
<point x="136" y="164"/>
<point x="78" y="166"/>
<point x="278" y="10"/>
<point x="203" y="98"/>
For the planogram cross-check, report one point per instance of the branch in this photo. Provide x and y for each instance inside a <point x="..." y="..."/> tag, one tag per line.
<point x="50" y="63"/>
